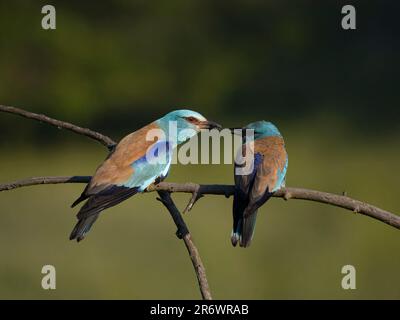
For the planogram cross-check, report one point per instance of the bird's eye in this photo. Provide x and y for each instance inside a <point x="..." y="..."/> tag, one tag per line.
<point x="191" y="119"/>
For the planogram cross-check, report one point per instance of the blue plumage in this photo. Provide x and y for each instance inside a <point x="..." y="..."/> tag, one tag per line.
<point x="135" y="164"/>
<point x="148" y="168"/>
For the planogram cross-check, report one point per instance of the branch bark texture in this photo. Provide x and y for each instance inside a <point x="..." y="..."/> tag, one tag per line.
<point x="337" y="200"/>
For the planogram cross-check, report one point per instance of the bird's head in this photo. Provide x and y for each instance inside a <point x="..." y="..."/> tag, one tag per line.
<point x="261" y="129"/>
<point x="187" y="122"/>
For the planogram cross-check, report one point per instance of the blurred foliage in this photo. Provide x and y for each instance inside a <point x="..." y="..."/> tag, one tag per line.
<point x="117" y="65"/>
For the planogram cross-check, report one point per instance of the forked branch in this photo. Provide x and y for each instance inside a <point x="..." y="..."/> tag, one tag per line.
<point x="200" y="190"/>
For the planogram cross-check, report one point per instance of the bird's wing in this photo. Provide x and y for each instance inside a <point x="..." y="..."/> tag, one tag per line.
<point x="270" y="173"/>
<point x="117" y="168"/>
<point x="244" y="182"/>
<point x="243" y="227"/>
<point x="131" y="168"/>
<point x="116" y="187"/>
<point x="152" y="166"/>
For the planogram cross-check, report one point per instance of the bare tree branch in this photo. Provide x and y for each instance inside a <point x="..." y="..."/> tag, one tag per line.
<point x="106" y="141"/>
<point x="200" y="190"/>
<point x="183" y="233"/>
<point x="196" y="195"/>
<point x="43" y="180"/>
<point x="110" y="144"/>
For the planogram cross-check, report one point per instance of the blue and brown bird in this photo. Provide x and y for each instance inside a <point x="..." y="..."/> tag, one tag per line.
<point x="129" y="169"/>
<point x="265" y="154"/>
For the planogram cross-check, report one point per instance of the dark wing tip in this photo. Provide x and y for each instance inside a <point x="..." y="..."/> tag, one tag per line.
<point x="234" y="239"/>
<point x="79" y="200"/>
<point x="245" y="244"/>
<point x="248" y="228"/>
<point x="75" y="237"/>
<point x="73" y="234"/>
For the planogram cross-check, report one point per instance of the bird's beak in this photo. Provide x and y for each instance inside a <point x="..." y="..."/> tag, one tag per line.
<point x="209" y="125"/>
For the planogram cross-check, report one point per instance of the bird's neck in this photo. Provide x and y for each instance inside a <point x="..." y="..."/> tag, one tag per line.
<point x="172" y="132"/>
<point x="260" y="136"/>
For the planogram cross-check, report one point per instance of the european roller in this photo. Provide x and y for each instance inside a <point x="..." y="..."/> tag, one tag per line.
<point x="266" y="150"/>
<point x="129" y="169"/>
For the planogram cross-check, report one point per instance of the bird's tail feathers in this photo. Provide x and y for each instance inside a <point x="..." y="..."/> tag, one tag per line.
<point x="89" y="212"/>
<point x="83" y="227"/>
<point x="248" y="228"/>
<point x="244" y="230"/>
<point x="235" y="236"/>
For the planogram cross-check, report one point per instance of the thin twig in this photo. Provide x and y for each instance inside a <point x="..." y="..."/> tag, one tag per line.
<point x="183" y="233"/>
<point x="228" y="190"/>
<point x="196" y="195"/>
<point x="106" y="141"/>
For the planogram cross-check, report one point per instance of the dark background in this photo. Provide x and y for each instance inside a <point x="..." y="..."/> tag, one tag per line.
<point x="115" y="66"/>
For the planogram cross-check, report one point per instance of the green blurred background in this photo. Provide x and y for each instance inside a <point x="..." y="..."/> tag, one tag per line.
<point x="117" y="65"/>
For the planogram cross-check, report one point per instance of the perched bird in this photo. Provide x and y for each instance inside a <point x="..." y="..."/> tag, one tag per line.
<point x="129" y="169"/>
<point x="269" y="161"/>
